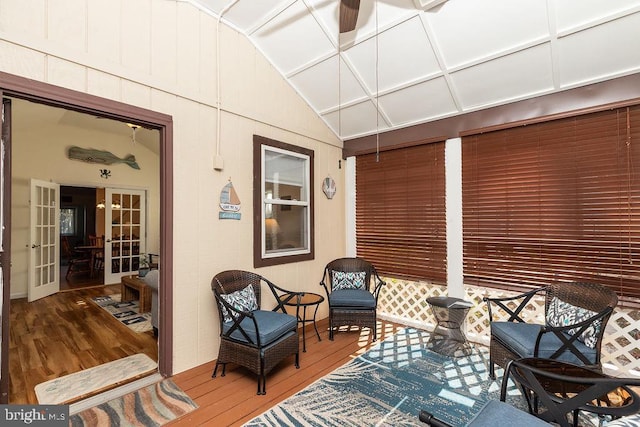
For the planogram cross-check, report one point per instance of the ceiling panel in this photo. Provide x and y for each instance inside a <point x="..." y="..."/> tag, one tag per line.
<point x="467" y="31"/>
<point x="293" y="39"/>
<point x="418" y="103"/>
<point x="401" y="54"/>
<point x="523" y="74"/>
<point x="577" y="13"/>
<point x="356" y="120"/>
<point x="319" y="84"/>
<point x="596" y="54"/>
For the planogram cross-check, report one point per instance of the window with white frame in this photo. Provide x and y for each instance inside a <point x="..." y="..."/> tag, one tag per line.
<point x="283" y="198"/>
<point x="68" y="221"/>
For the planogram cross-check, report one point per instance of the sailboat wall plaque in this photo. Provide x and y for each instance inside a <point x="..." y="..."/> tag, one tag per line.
<point x="229" y="203"/>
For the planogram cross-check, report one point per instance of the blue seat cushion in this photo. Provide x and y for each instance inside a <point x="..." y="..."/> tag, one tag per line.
<point x="357" y="298"/>
<point x="495" y="412"/>
<point x="628" y="421"/>
<point x="520" y="338"/>
<point x="271" y="326"/>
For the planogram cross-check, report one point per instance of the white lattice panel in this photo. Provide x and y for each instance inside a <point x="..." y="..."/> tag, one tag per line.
<point x="405" y="302"/>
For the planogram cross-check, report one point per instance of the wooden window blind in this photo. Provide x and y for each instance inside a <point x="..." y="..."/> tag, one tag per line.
<point x="400" y="212"/>
<point x="554" y="202"/>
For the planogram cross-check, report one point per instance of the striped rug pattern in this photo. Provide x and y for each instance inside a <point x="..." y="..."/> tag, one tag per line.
<point x="127" y="312"/>
<point x="154" y="405"/>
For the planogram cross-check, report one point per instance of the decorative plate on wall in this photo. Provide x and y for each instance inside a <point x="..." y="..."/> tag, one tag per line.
<point x="329" y="187"/>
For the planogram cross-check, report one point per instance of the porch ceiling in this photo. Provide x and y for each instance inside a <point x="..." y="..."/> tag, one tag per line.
<point x="415" y="66"/>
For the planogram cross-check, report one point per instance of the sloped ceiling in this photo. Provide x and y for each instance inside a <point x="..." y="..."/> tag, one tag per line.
<point x="414" y="66"/>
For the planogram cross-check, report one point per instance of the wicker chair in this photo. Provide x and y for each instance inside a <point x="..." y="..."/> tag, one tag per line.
<point x="249" y="336"/>
<point x="347" y="283"/>
<point x="576" y="315"/>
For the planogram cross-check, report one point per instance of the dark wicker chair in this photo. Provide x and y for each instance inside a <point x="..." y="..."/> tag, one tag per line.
<point x="576" y="315"/>
<point x="554" y="397"/>
<point x="249" y="336"/>
<point x="352" y="297"/>
<point x="554" y="390"/>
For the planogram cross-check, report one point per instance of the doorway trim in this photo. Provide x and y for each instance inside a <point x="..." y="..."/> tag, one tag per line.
<point x="44" y="93"/>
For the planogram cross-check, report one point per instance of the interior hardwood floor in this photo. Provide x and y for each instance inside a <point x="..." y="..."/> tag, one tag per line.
<point x="79" y="280"/>
<point x="66" y="333"/>
<point x="232" y="401"/>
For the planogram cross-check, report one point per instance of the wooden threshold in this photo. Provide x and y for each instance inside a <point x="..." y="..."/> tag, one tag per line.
<point x="232" y="401"/>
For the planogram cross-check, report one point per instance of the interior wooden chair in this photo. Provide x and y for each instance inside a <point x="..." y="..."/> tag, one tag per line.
<point x="98" y="255"/>
<point x="352" y="297"/>
<point x="78" y="261"/>
<point x="251" y="336"/>
<point x="576" y="315"/>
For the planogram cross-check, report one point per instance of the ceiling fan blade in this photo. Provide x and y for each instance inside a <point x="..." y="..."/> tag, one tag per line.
<point x="348" y="15"/>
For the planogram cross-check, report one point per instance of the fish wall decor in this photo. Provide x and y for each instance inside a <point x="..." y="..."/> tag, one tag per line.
<point x="101" y="157"/>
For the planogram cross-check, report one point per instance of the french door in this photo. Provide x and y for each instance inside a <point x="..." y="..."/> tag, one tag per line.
<point x="125" y="232"/>
<point x="44" y="252"/>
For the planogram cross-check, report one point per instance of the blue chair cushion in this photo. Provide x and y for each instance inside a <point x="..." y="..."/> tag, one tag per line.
<point x="263" y="350"/>
<point x="520" y="338"/>
<point x="628" y="421"/>
<point x="357" y="298"/>
<point x="495" y="412"/>
<point x="271" y="325"/>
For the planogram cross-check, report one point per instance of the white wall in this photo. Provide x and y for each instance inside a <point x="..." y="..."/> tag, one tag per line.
<point x="160" y="55"/>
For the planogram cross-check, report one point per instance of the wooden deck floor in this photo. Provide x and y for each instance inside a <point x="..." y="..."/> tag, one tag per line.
<point x="231" y="400"/>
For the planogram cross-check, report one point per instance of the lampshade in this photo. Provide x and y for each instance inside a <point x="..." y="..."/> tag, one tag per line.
<point x="272" y="226"/>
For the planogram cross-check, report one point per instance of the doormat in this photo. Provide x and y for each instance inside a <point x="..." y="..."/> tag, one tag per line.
<point x="154" y="405"/>
<point x="74" y="386"/>
<point x="127" y="312"/>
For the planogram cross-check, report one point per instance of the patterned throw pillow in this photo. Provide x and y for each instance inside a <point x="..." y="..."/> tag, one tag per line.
<point x="243" y="300"/>
<point x="563" y="314"/>
<point x="348" y="280"/>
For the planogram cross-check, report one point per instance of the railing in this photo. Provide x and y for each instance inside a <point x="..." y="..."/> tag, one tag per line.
<point x="405" y="302"/>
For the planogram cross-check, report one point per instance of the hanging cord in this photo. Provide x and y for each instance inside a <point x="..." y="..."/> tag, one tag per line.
<point x="629" y="167"/>
<point x="339" y="91"/>
<point x="222" y="12"/>
<point x="377" y="92"/>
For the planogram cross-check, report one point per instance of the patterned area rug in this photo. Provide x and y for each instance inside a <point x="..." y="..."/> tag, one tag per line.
<point x="390" y="384"/>
<point x="73" y="386"/>
<point x="127" y="312"/>
<point x="154" y="405"/>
